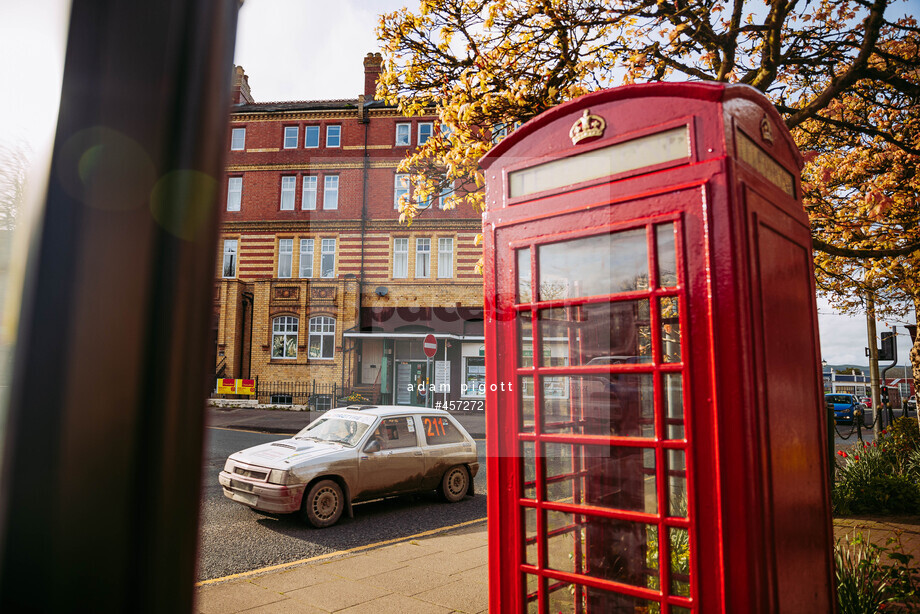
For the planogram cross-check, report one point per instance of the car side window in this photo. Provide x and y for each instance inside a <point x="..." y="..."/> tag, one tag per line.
<point x="439" y="429"/>
<point x="395" y="433"/>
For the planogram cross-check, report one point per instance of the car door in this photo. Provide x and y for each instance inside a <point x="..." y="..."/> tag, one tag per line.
<point x="398" y="466"/>
<point x="445" y="446"/>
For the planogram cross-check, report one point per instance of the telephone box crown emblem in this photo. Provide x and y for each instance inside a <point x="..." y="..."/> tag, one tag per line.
<point x="587" y="127"/>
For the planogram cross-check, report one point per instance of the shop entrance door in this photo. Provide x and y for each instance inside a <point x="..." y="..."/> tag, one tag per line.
<point x="411" y="382"/>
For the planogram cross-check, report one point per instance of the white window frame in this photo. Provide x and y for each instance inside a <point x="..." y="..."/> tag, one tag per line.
<point x="238" y="139"/>
<point x="230" y="258"/>
<point x="234" y="193"/>
<point x="308" y="195"/>
<point x="286" y="329"/>
<point x="307" y="130"/>
<point x="429" y="129"/>
<point x="403" y="135"/>
<point x="422" y="258"/>
<point x="321" y="328"/>
<point x="331" y="192"/>
<point x="445" y="257"/>
<point x="306" y="258"/>
<point x="288" y="192"/>
<point x="285" y="258"/>
<point x="334" y="133"/>
<point x="400" y="187"/>
<point x="291" y="135"/>
<point x="400" y="257"/>
<point x="327" y="249"/>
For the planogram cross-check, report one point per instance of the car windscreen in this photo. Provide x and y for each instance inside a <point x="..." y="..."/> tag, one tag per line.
<point x="839" y="398"/>
<point x="346" y="430"/>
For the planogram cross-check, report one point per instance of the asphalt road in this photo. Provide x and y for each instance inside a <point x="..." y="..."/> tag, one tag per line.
<point x="234" y="538"/>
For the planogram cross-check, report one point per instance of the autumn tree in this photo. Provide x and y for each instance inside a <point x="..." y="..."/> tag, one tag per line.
<point x="844" y="74"/>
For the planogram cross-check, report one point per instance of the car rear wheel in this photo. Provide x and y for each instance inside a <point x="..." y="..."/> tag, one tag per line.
<point x="455" y="484"/>
<point x="323" y="504"/>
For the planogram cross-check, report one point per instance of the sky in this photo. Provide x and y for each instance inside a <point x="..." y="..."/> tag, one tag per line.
<point x="291" y="50"/>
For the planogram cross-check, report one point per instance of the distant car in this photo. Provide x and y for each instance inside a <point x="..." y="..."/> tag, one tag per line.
<point x="845" y="406"/>
<point x="352" y="454"/>
<point x="912" y="403"/>
<point x="867" y="401"/>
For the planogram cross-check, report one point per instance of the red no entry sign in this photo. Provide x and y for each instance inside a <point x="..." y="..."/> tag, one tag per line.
<point x="430" y="345"/>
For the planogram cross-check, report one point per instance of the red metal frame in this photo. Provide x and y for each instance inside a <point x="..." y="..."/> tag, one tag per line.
<point x="734" y="513"/>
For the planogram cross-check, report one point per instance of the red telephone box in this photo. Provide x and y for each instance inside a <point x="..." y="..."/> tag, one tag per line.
<point x="655" y="440"/>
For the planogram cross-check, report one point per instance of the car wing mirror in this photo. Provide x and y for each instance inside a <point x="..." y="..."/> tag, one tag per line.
<point x="372" y="446"/>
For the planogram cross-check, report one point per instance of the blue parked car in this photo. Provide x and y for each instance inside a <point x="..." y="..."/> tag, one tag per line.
<point x="844" y="406"/>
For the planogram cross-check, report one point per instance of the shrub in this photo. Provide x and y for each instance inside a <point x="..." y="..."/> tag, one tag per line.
<point x="880" y="494"/>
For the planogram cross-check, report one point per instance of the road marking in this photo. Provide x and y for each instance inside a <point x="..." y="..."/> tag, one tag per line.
<point x="330" y="555"/>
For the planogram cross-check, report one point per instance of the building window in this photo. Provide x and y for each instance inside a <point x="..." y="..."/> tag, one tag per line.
<point x="284" y="337"/>
<point x="474" y="376"/>
<point x="400" y="258"/>
<point x="285" y="257"/>
<point x="445" y="257"/>
<point x="306" y="257"/>
<point x="230" y="258"/>
<point x="499" y="131"/>
<point x="322" y="337"/>
<point x="288" y="186"/>
<point x="403" y="134"/>
<point x="311" y="136"/>
<point x="327" y="259"/>
<point x="234" y="193"/>
<point x="333" y="136"/>
<point x="238" y="139"/>
<point x="424" y="132"/>
<point x="308" y="201"/>
<point x="400" y="189"/>
<point x="446" y="192"/>
<point x="290" y="137"/>
<point x="331" y="192"/>
<point x="422" y="257"/>
<point x="446" y="130"/>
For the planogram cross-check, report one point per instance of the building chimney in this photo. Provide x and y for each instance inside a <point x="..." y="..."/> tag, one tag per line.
<point x="240" y="92"/>
<point x="373" y="66"/>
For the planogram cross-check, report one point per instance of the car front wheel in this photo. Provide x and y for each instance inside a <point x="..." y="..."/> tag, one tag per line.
<point x="323" y="504"/>
<point x="455" y="484"/>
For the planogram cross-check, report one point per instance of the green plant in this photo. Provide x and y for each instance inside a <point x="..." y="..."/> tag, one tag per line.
<point x="882" y="494"/>
<point x="868" y="583"/>
<point x="878" y="477"/>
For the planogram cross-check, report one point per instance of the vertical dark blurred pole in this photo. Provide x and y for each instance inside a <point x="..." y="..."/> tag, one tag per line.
<point x="99" y="494"/>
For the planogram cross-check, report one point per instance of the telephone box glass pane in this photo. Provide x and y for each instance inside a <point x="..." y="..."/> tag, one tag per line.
<point x="669" y="319"/>
<point x="525" y="348"/>
<point x="677" y="483"/>
<point x="674" y="405"/>
<point x="531" y="582"/>
<point x="605" y="548"/>
<point x="593" y="266"/>
<point x="667" y="259"/>
<point x="523" y="269"/>
<point x="529" y="519"/>
<point x="568" y="598"/>
<point x="526" y="388"/>
<point x="595" y="334"/>
<point x="679" y="543"/>
<point x="529" y="470"/>
<point x="606" y="476"/>
<point x="612" y="404"/>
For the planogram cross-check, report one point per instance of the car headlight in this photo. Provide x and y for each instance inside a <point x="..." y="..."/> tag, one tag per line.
<point x="228" y="466"/>
<point x="282" y="477"/>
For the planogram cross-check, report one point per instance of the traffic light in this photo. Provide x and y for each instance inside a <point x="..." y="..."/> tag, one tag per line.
<point x="884" y="395"/>
<point x="888" y="351"/>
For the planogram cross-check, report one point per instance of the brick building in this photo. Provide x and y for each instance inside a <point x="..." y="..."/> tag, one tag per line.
<point x="317" y="280"/>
